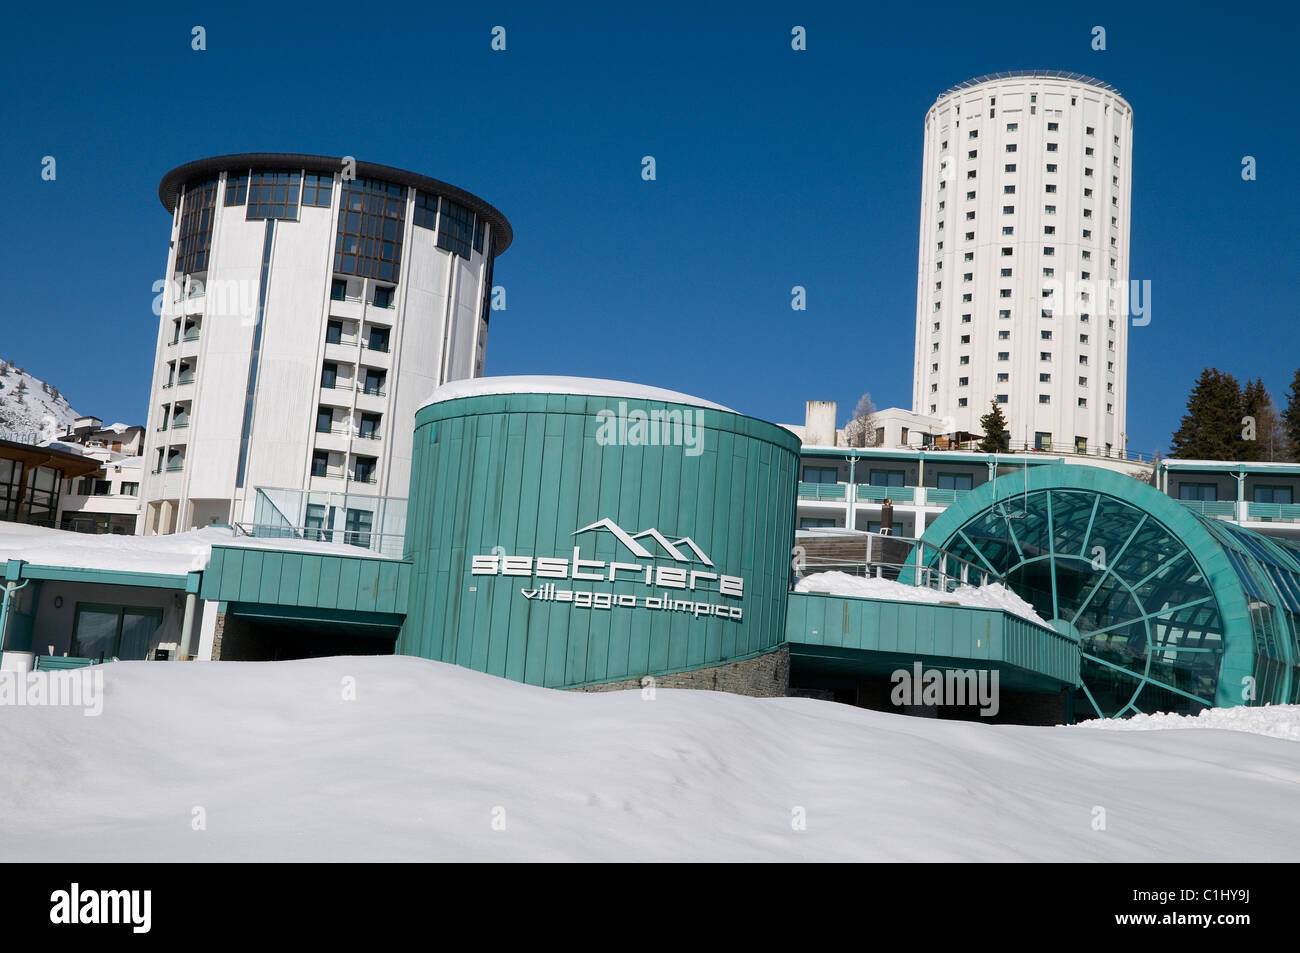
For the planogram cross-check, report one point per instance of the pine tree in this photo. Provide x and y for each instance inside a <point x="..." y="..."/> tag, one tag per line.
<point x="1211" y="429"/>
<point x="994" y="425"/>
<point x="1269" y="443"/>
<point x="1291" y="420"/>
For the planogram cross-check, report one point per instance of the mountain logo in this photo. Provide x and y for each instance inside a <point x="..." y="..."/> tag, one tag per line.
<point x="673" y="548"/>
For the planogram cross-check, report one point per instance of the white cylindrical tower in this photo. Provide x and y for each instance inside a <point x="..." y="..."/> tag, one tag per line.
<point x="1023" y="267"/>
<point x="312" y="304"/>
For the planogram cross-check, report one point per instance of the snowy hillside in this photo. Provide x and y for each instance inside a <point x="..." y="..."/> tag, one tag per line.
<point x="261" y="760"/>
<point x="29" y="406"/>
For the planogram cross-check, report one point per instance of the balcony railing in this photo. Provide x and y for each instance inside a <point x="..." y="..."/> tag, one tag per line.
<point x="334" y="473"/>
<point x="1273" y="512"/>
<point x="380" y="346"/>
<point x="822" y="491"/>
<point x="876" y="494"/>
<point x="372" y="391"/>
<point x="1225" y="508"/>
<point x="191" y="335"/>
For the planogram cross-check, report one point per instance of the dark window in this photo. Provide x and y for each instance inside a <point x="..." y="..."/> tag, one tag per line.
<point x="236" y="189"/>
<point x="369" y="240"/>
<point x="426" y="210"/>
<point x="456" y="228"/>
<point x="374" y="384"/>
<point x="1273" y="494"/>
<point x="339" y="289"/>
<point x="480" y="227"/>
<point x="317" y="190"/>
<point x="369" y="426"/>
<point x="1208" y="492"/>
<point x="324" y="419"/>
<point x="887" y="477"/>
<point x="816" y="522"/>
<point x="954" y="481"/>
<point x="195" y="238"/>
<point x="358" y="525"/>
<point x="334" y="332"/>
<point x="820" y="475"/>
<point x="364" y="470"/>
<point x="320" y="462"/>
<point x="378" y="339"/>
<point x="383" y="297"/>
<point x="273" y="195"/>
<point x="123" y="632"/>
<point x="314" y="522"/>
<point x="329" y="375"/>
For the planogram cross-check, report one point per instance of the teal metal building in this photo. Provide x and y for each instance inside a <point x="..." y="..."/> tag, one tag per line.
<point x="596" y="535"/>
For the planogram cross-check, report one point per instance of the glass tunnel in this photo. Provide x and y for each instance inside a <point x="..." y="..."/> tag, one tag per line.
<point x="1174" y="611"/>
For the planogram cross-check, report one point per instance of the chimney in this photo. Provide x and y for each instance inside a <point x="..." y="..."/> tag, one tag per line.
<point x="819" y="423"/>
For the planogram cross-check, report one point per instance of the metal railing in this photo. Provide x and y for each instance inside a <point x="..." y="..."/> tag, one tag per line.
<point x="930" y="566"/>
<point x="1226" y="508"/>
<point x="822" y="491"/>
<point x="1273" y="512"/>
<point x="387" y="544"/>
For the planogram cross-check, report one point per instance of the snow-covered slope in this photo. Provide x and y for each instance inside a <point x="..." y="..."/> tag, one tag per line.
<point x="271" y="762"/>
<point x="30" y="407"/>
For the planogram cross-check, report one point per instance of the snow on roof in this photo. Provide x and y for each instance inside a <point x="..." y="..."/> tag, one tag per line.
<point x="176" y="554"/>
<point x="118" y="427"/>
<point x="586" y="386"/>
<point x="992" y="596"/>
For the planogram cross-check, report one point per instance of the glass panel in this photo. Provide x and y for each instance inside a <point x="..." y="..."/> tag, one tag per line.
<point x="95" y="633"/>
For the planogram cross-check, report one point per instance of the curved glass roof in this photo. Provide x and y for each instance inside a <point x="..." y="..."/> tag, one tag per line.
<point x="1174" y="611"/>
<point x="1045" y="73"/>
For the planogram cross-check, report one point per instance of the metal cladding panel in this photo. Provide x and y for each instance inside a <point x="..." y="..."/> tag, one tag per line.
<point x="878" y="626"/>
<point x="522" y="475"/>
<point x="270" y="577"/>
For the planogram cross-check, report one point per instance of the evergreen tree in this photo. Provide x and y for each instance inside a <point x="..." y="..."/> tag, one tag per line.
<point x="1211" y="428"/>
<point x="1291" y="420"/>
<point x="1269" y="443"/>
<point x="994" y="425"/>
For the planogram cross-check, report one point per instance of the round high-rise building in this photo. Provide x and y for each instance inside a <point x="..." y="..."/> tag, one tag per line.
<point x="312" y="304"/>
<point x="1023" y="267"/>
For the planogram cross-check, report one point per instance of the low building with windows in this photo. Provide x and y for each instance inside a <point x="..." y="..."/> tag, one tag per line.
<point x="33" y="479"/>
<point x="311" y="303"/>
<point x="108" y="500"/>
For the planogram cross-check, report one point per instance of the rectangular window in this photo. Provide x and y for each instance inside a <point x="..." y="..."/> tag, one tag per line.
<point x="887" y="477"/>
<point x="954" y="481"/>
<point x="816" y="522"/>
<point x="314" y="522"/>
<point x="374" y="382"/>
<point x="1273" y="494"/>
<point x="324" y="419"/>
<point x="455" y="228"/>
<point x="195" y="239"/>
<point x="320" y="463"/>
<point x="1042" y="441"/>
<point x="369" y="429"/>
<point x="1004" y="355"/>
<point x="236" y="189"/>
<point x="820" y="475"/>
<point x="383" y="296"/>
<point x="358" y="523"/>
<point x="317" y="190"/>
<point x="1045" y="378"/>
<point x="1003" y="377"/>
<point x="121" y="632"/>
<point x="273" y="195"/>
<point x="1205" y="492"/>
<point x="377" y="340"/>
<point x="329" y="374"/>
<point x="334" y="332"/>
<point x="339" y="289"/>
<point x="368" y="243"/>
<point x="365" y="469"/>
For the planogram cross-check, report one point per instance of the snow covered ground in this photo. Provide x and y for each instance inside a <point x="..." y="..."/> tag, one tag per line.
<point x="1276" y="721"/>
<point x="992" y="596"/>
<point x="430" y="760"/>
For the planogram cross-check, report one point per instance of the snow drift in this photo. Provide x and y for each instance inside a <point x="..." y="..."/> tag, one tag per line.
<point x="992" y="596"/>
<point x="276" y="764"/>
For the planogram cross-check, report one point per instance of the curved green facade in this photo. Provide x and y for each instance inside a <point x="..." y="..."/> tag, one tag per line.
<point x="1175" y="611"/>
<point x="524" y="505"/>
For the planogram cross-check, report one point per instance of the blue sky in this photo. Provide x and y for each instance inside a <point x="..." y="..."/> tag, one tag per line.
<point x="775" y="169"/>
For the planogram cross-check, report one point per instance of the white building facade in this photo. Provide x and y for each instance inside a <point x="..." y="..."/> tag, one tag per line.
<point x="1023" y="266"/>
<point x="313" y="304"/>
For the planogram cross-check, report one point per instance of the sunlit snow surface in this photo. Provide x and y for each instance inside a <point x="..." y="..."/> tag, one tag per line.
<point x="278" y="765"/>
<point x="1275" y="721"/>
<point x="992" y="596"/>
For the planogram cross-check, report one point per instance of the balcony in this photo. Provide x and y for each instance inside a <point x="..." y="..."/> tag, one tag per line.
<point x="865" y="492"/>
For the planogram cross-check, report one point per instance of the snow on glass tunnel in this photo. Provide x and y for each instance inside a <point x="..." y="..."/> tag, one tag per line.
<point x="1175" y="611"/>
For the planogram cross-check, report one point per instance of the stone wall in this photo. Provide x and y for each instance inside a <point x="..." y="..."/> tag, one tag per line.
<point x="764" y="676"/>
